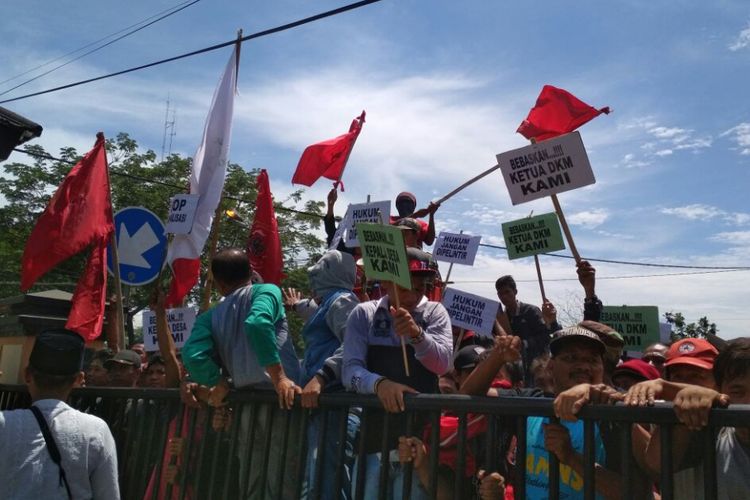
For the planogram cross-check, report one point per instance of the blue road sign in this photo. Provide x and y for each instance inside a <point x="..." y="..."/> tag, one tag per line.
<point x="141" y="245"/>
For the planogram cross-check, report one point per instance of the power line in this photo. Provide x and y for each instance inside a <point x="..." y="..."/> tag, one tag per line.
<point x="616" y="277"/>
<point x="162" y="15"/>
<point x="259" y="34"/>
<point x="629" y="263"/>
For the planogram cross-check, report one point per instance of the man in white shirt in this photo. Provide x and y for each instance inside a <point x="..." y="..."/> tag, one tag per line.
<point x="87" y="465"/>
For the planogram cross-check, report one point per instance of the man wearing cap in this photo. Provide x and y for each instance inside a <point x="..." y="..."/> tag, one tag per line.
<point x="577" y="367"/>
<point x="632" y="372"/>
<point x="124" y="369"/>
<point x="373" y="358"/>
<point x="87" y="465"/>
<point x="406" y="204"/>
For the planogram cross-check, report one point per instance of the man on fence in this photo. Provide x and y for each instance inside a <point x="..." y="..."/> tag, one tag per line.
<point x="248" y="333"/>
<point x="373" y="362"/>
<point x="52" y="450"/>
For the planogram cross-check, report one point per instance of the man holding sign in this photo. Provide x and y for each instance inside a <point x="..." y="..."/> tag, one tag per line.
<point x="372" y="354"/>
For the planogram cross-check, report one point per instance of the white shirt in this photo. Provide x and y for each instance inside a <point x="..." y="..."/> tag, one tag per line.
<point x="87" y="449"/>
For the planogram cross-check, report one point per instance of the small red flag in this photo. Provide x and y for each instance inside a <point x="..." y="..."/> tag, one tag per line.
<point x="78" y="216"/>
<point x="556" y="112"/>
<point x="328" y="158"/>
<point x="263" y="243"/>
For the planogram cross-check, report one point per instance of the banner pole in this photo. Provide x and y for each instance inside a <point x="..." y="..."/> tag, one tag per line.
<point x="397" y="305"/>
<point x="215" y="225"/>
<point x="461" y="332"/>
<point x="539" y="276"/>
<point x="467" y="184"/>
<point x="566" y="229"/>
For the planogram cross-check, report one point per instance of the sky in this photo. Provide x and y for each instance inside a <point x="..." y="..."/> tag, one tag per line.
<point x="445" y="85"/>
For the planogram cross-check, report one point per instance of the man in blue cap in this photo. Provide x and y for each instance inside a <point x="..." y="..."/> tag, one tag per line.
<point x="52" y="450"/>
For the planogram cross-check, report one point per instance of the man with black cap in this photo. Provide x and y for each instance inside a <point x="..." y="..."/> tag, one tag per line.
<point x="373" y="360"/>
<point x="406" y="204"/>
<point x="577" y="368"/>
<point x="124" y="369"/>
<point x="52" y="450"/>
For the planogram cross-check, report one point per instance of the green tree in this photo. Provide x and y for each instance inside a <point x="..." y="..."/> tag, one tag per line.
<point x="681" y="329"/>
<point x="138" y="179"/>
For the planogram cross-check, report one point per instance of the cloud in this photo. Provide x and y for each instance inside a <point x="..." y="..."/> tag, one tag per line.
<point x="664" y="152"/>
<point x="741" y="135"/>
<point x="742" y="40"/>
<point x="702" y="212"/>
<point x="734" y="238"/>
<point x="630" y="161"/>
<point x="588" y="218"/>
<point x="669" y="133"/>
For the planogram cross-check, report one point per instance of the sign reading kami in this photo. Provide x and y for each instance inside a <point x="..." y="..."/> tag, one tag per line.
<point x="141" y="245"/>
<point x="638" y="325"/>
<point x="545" y="168"/>
<point x="533" y="235"/>
<point x="181" y="213"/>
<point x="470" y="311"/>
<point x="180" y="323"/>
<point x="384" y="253"/>
<point x="457" y="248"/>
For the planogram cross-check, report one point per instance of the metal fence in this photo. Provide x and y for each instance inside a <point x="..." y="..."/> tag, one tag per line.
<point x="264" y="452"/>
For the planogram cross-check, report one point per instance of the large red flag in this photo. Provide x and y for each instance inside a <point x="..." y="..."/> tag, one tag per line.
<point x="556" y="112"/>
<point x="78" y="216"/>
<point x="328" y="158"/>
<point x="263" y="244"/>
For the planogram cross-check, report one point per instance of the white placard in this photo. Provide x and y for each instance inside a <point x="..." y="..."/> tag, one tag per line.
<point x="375" y="212"/>
<point x="547" y="167"/>
<point x="180" y="323"/>
<point x="181" y="213"/>
<point x="470" y="311"/>
<point x="457" y="248"/>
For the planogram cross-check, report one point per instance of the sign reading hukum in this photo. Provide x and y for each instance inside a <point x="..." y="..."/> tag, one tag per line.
<point x="375" y="212"/>
<point x="384" y="253"/>
<point x="470" y="311"/>
<point x="533" y="235"/>
<point x="180" y="323"/>
<point x="545" y="168"/>
<point x="457" y="248"/>
<point x="638" y="325"/>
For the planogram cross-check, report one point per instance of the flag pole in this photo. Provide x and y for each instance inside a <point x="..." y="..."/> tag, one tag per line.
<point x="466" y="184"/>
<point x="539" y="277"/>
<point x="361" y="121"/>
<point x="237" y="58"/>
<point x="208" y="285"/>
<point x="119" y="325"/>
<point x="566" y="229"/>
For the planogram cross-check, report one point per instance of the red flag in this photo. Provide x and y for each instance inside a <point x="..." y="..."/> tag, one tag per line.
<point x="328" y="158"/>
<point x="78" y="216"/>
<point x="556" y="112"/>
<point x="263" y="244"/>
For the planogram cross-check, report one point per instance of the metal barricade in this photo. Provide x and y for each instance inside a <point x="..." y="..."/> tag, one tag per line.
<point x="266" y="452"/>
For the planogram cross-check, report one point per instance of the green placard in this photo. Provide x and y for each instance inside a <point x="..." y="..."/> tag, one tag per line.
<point x="638" y="325"/>
<point x="384" y="253"/>
<point x="533" y="235"/>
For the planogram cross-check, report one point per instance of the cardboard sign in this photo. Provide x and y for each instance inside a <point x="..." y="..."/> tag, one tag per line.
<point x="533" y="235"/>
<point x="181" y="213"/>
<point x="638" y="325"/>
<point x="375" y="212"/>
<point x="456" y="248"/>
<point x="548" y="167"/>
<point x="470" y="311"/>
<point x="384" y="253"/>
<point x="180" y="323"/>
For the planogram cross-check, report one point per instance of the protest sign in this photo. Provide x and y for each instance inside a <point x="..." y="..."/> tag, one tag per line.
<point x="180" y="323"/>
<point x="545" y="168"/>
<point x="533" y="235"/>
<point x="638" y="325"/>
<point x="376" y="212"/>
<point x="384" y="253"/>
<point x="470" y="311"/>
<point x="181" y="213"/>
<point x="456" y="248"/>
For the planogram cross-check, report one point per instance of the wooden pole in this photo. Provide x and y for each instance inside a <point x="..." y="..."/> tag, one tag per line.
<point x="361" y="121"/>
<point x="539" y="277"/>
<point x="461" y="332"/>
<point x="467" y="184"/>
<point x="565" y="228"/>
<point x="397" y="305"/>
<point x="215" y="227"/>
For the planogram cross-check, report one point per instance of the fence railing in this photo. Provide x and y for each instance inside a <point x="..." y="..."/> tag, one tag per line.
<point x="168" y="451"/>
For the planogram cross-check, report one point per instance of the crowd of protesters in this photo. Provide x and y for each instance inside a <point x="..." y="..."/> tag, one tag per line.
<point x="354" y="334"/>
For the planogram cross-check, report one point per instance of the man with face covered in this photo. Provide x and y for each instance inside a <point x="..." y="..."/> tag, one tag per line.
<point x="406" y="204"/>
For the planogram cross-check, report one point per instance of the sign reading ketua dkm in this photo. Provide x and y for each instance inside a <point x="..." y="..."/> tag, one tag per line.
<point x="638" y="325"/>
<point x="457" y="248"/>
<point x="533" y="235"/>
<point x="384" y="253"/>
<point x="545" y="168"/>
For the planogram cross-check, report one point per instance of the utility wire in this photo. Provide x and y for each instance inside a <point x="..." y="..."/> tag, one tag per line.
<point x="163" y="15"/>
<point x="487" y="245"/>
<point x="259" y="34"/>
<point x="616" y="277"/>
<point x="629" y="263"/>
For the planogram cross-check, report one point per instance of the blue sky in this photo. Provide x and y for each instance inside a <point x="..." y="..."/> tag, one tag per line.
<point x="445" y="85"/>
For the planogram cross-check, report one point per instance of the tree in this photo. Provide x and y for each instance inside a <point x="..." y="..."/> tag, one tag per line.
<point x="681" y="330"/>
<point x="138" y="179"/>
